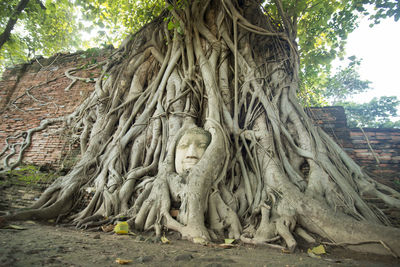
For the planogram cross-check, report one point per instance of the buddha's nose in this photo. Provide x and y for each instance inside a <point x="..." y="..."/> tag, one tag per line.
<point x="192" y="151"/>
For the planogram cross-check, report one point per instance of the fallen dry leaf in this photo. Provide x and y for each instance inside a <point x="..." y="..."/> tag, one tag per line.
<point x="223" y="245"/>
<point x="121" y="261"/>
<point x="107" y="228"/>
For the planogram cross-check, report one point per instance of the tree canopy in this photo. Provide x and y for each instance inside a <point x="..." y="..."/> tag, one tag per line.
<point x="50" y="26"/>
<point x="31" y="28"/>
<point x="34" y="27"/>
<point x="376" y="113"/>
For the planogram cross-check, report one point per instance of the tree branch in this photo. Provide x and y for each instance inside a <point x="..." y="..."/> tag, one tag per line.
<point x="41" y="4"/>
<point x="5" y="36"/>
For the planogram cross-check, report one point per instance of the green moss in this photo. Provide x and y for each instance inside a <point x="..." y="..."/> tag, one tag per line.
<point x="30" y="174"/>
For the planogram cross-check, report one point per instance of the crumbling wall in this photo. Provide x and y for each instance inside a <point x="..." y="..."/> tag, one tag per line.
<point x="377" y="151"/>
<point x="32" y="92"/>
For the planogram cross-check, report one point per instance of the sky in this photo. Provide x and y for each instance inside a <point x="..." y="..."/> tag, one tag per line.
<point x="379" y="49"/>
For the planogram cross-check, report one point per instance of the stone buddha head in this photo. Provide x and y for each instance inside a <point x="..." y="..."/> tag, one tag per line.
<point x="190" y="148"/>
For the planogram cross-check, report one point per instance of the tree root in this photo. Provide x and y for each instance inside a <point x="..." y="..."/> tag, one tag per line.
<point x="251" y="241"/>
<point x="345" y="244"/>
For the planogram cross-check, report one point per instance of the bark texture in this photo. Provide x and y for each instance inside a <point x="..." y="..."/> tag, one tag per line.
<point x="231" y="70"/>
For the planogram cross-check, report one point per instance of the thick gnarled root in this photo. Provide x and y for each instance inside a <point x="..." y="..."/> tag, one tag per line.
<point x="221" y="217"/>
<point x="271" y="229"/>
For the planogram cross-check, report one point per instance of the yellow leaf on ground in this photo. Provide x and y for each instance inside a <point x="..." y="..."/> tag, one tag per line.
<point x="121" y="228"/>
<point x="121" y="261"/>
<point x="318" y="250"/>
<point x="16" y="227"/>
<point x="229" y="240"/>
<point x="165" y="240"/>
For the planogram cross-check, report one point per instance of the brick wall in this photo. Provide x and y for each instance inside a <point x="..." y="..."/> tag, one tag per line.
<point x="377" y="151"/>
<point x="379" y="156"/>
<point x="35" y="91"/>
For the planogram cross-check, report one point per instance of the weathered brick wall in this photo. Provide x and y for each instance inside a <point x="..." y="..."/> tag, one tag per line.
<point x="19" y="111"/>
<point x="377" y="151"/>
<point x="35" y="91"/>
<point x="334" y="122"/>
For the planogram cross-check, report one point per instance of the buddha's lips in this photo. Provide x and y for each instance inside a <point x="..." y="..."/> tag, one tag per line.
<point x="191" y="159"/>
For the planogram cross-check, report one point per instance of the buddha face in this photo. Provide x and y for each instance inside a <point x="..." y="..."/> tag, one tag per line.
<point x="190" y="149"/>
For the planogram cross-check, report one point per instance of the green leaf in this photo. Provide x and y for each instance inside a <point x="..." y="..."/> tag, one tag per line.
<point x="171" y="25"/>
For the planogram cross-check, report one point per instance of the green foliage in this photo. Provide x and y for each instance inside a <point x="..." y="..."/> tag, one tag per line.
<point x="39" y="31"/>
<point x="322" y="29"/>
<point x="63" y="23"/>
<point x="173" y="24"/>
<point x="333" y="88"/>
<point x="116" y="19"/>
<point x="311" y="96"/>
<point x="384" y="9"/>
<point x="375" y="114"/>
<point x="344" y="83"/>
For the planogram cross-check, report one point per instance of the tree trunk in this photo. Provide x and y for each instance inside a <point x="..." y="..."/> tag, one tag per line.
<point x="231" y="70"/>
<point x="5" y="35"/>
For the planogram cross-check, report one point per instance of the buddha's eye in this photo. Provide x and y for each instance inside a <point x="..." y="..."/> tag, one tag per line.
<point x="204" y="145"/>
<point x="183" y="146"/>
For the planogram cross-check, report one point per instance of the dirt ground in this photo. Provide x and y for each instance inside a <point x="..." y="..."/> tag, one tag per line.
<point x="48" y="244"/>
<point x="40" y="244"/>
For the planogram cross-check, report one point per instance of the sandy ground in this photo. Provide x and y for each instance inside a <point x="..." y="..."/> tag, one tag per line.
<point x="51" y="245"/>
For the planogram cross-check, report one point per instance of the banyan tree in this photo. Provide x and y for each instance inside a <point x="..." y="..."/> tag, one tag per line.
<point x="197" y="113"/>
